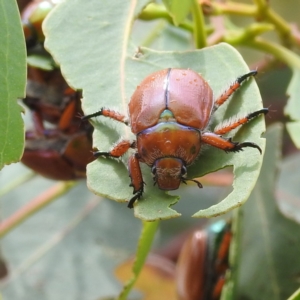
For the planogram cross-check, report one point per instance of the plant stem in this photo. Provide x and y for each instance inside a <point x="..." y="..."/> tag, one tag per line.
<point x="144" y="246"/>
<point x="266" y="13"/>
<point x="199" y="25"/>
<point x="35" y="205"/>
<point x="233" y="8"/>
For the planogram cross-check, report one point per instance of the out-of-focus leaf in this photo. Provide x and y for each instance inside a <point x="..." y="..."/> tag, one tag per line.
<point x="41" y="62"/>
<point x="294" y="130"/>
<point x="271" y="244"/>
<point x="178" y="9"/>
<point x="288" y="188"/>
<point x="12" y="83"/>
<point x="108" y="75"/>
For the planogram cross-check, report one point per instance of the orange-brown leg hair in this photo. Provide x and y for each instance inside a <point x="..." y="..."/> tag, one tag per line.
<point x="228" y="126"/>
<point x="136" y="176"/>
<point x="107" y="113"/>
<point x="219" y="101"/>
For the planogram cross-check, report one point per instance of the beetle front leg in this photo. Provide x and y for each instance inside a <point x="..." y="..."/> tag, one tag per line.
<point x="227" y="145"/>
<point x="136" y="176"/>
<point x="233" y="87"/>
<point x="107" y="113"/>
<point x="117" y="151"/>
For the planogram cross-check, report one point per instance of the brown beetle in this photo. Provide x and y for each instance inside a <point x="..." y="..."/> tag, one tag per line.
<point x="169" y="113"/>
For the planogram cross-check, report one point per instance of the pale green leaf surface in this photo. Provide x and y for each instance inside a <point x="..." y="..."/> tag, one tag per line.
<point x="108" y="73"/>
<point x="271" y="244"/>
<point x="12" y="83"/>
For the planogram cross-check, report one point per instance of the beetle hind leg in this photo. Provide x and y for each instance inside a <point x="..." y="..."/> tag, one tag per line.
<point x="227" y="145"/>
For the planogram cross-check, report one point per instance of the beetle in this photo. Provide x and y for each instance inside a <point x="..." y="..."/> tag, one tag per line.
<point x="62" y="150"/>
<point x="203" y="262"/>
<point x="57" y="156"/>
<point x="169" y="113"/>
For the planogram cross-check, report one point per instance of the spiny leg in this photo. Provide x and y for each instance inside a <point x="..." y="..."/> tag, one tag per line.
<point x="136" y="176"/>
<point x="233" y="87"/>
<point x="107" y="113"/>
<point x="227" y="126"/>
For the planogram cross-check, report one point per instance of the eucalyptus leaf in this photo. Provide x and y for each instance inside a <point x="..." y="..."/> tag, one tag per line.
<point x="271" y="243"/>
<point x="107" y="68"/>
<point x="12" y="83"/>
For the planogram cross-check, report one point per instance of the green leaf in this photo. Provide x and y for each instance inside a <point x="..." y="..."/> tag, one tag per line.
<point x="108" y="75"/>
<point x="271" y="244"/>
<point x="178" y="9"/>
<point x="12" y="83"/>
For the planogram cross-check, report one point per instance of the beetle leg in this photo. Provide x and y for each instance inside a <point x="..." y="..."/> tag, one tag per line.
<point x="67" y="116"/>
<point x="117" y="151"/>
<point x="136" y="176"/>
<point x="233" y="87"/>
<point x="227" y="145"/>
<point x="229" y="125"/>
<point x="107" y="113"/>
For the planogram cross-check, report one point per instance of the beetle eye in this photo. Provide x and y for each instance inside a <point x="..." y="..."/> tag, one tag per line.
<point x="183" y="171"/>
<point x="153" y="170"/>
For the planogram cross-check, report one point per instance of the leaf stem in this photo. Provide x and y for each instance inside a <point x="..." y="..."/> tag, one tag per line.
<point x="199" y="25"/>
<point x="144" y="246"/>
<point x="233" y="8"/>
<point x="280" y="52"/>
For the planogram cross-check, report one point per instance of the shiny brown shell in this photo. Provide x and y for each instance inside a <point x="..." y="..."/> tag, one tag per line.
<point x="184" y="92"/>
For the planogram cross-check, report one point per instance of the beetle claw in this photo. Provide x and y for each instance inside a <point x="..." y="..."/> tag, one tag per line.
<point x="137" y="196"/>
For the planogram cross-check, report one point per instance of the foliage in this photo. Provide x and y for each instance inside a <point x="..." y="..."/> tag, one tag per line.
<point x="12" y="83"/>
<point x="105" y="49"/>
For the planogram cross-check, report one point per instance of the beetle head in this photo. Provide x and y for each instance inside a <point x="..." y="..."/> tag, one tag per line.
<point x="168" y="172"/>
